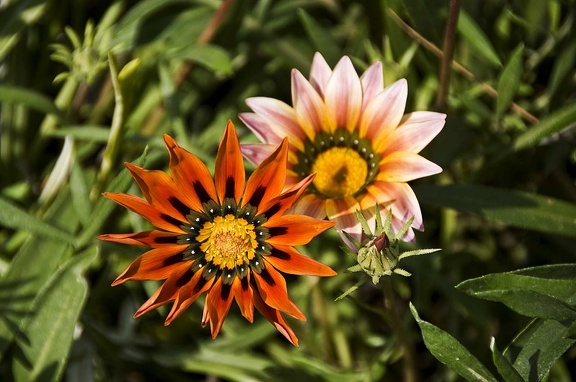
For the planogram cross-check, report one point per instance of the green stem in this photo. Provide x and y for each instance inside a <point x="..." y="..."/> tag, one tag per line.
<point x="449" y="42"/>
<point x="410" y="373"/>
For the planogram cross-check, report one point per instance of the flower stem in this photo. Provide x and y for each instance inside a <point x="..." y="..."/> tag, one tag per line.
<point x="410" y="373"/>
<point x="449" y="42"/>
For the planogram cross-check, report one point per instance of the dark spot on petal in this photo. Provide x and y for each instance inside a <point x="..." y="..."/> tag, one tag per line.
<point x="244" y="284"/>
<point x="257" y="196"/>
<point x="201" y="282"/>
<point x="280" y="254"/>
<point x="171" y="220"/>
<point x="185" y="278"/>
<point x="174" y="259"/>
<point x="277" y="231"/>
<point x="273" y="210"/>
<point x="178" y="205"/>
<point x="225" y="293"/>
<point x="267" y="277"/>
<point x="201" y="192"/>
<point x="229" y="187"/>
<point x="166" y="240"/>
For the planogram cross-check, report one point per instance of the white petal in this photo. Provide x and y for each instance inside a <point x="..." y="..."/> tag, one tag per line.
<point x="404" y="166"/>
<point x="343" y="96"/>
<point x="415" y="132"/>
<point x="260" y="128"/>
<point x="320" y="73"/>
<point x="401" y="199"/>
<point x="255" y="153"/>
<point x="372" y="83"/>
<point x="310" y="109"/>
<point x="280" y="117"/>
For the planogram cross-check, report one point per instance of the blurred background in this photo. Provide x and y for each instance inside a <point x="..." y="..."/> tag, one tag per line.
<point x="88" y="85"/>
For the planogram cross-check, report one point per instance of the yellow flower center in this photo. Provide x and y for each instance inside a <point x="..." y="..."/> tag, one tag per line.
<point x="228" y="241"/>
<point x="340" y="172"/>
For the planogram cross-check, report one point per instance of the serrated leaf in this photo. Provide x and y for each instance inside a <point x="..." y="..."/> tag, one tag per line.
<point x="49" y="331"/>
<point x="320" y="37"/>
<point x="29" y="98"/>
<point x="451" y="352"/>
<point x="555" y="122"/>
<point x="504" y="366"/>
<point x="509" y="80"/>
<point x="477" y="39"/>
<point x="515" y="208"/>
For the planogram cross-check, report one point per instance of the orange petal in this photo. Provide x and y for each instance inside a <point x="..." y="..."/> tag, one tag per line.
<point x="191" y="175"/>
<point x="289" y="260"/>
<point x="295" y="229"/>
<point x="280" y="204"/>
<point x="243" y="295"/>
<point x="167" y="291"/>
<point x="152" y="238"/>
<point x="229" y="173"/>
<point x="160" y="191"/>
<point x="187" y="294"/>
<point x="143" y="208"/>
<point x="267" y="181"/>
<point x="275" y="317"/>
<point x="272" y="289"/>
<point x="156" y="264"/>
<point x="218" y="302"/>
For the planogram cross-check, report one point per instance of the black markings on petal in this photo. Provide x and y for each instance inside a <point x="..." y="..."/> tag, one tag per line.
<point x="201" y="192"/>
<point x="174" y="259"/>
<point x="244" y="284"/>
<point x="225" y="292"/>
<point x="185" y="278"/>
<point x="169" y="219"/>
<point x="267" y="277"/>
<point x="229" y="187"/>
<point x="166" y="239"/>
<point x="178" y="205"/>
<point x="201" y="282"/>
<point x="257" y="196"/>
<point x="273" y="210"/>
<point x="280" y="254"/>
<point x="277" y="231"/>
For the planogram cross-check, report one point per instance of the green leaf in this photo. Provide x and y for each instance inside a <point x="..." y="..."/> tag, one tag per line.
<point x="515" y="208"/>
<point x="531" y="304"/>
<point x="320" y="37"/>
<point x="50" y="330"/>
<point x="14" y="217"/>
<point x="537" y="348"/>
<point x="553" y="280"/>
<point x="509" y="80"/>
<point x="451" y="352"/>
<point x="79" y="192"/>
<point x="15" y="16"/>
<point x="211" y="57"/>
<point x="503" y="365"/>
<point x="80" y="132"/>
<point x="553" y="123"/>
<point x="32" y="266"/>
<point x="104" y="207"/>
<point x="477" y="39"/>
<point x="29" y="98"/>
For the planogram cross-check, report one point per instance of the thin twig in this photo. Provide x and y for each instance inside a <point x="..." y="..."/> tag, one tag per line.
<point x="449" y="43"/>
<point x="523" y="113"/>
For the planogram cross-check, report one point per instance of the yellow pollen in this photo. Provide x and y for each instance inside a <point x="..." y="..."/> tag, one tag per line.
<point x="340" y="172"/>
<point x="228" y="241"/>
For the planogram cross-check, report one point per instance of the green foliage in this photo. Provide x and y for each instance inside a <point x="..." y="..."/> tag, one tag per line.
<point x="87" y="86"/>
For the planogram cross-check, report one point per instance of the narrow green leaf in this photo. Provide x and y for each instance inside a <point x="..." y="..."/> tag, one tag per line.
<point x="50" y="330"/>
<point x="320" y="37"/>
<point x="519" y="209"/>
<point x="563" y="65"/>
<point x="451" y="352"/>
<point x="531" y="304"/>
<point x="503" y="365"/>
<point x="29" y="98"/>
<point x="15" y="16"/>
<point x="559" y="287"/>
<point x="14" y="217"/>
<point x="553" y="123"/>
<point x="509" y="80"/>
<point x="537" y="348"/>
<point x="104" y="207"/>
<point x="477" y="39"/>
<point x="87" y="133"/>
<point x="79" y="193"/>
<point x="32" y="266"/>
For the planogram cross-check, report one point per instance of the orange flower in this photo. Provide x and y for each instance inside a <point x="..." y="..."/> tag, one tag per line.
<point x="224" y="236"/>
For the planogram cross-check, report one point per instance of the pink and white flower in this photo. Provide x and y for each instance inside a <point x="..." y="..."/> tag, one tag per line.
<point x="353" y="133"/>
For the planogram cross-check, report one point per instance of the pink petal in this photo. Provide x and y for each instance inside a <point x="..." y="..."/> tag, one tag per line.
<point x="399" y="197"/>
<point x="415" y="131"/>
<point x="255" y="153"/>
<point x="383" y="113"/>
<point x="320" y="73"/>
<point x="343" y="96"/>
<point x="279" y="116"/>
<point x="260" y="128"/>
<point x="372" y="83"/>
<point x="404" y="166"/>
<point x="310" y="109"/>
<point x="397" y="225"/>
<point x="343" y="212"/>
<point x="310" y="205"/>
